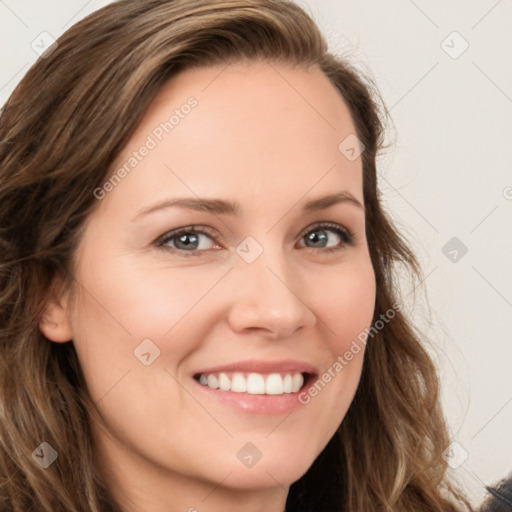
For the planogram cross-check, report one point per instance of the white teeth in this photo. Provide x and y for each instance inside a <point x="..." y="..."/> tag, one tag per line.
<point x="224" y="382"/>
<point x="297" y="382"/>
<point x="213" y="382"/>
<point x="238" y="383"/>
<point x="254" y="383"/>
<point x="287" y="383"/>
<point x="274" y="384"/>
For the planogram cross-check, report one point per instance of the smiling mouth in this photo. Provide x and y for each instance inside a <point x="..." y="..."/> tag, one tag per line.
<point x="254" y="383"/>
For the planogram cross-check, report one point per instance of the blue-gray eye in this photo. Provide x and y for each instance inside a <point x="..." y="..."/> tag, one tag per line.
<point x="327" y="236"/>
<point x="187" y="240"/>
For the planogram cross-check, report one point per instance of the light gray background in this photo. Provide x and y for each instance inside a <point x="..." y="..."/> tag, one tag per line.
<point x="447" y="175"/>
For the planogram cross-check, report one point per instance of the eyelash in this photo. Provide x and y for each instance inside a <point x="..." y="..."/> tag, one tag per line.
<point x="346" y="236"/>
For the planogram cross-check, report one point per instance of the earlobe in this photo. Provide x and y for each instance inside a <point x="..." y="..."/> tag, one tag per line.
<point x="55" y="324"/>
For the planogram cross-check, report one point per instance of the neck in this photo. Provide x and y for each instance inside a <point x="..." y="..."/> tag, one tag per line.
<point x="139" y="486"/>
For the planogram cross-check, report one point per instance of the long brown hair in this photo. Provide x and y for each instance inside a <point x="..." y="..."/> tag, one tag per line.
<point x="60" y="133"/>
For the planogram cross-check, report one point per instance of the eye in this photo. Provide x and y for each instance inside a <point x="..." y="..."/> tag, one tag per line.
<point x="192" y="240"/>
<point x="188" y="239"/>
<point x="327" y="236"/>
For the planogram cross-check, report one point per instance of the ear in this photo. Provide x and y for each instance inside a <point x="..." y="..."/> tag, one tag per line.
<point x="54" y="323"/>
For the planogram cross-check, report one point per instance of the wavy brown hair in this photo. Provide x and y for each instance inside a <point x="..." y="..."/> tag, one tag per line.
<point x="60" y="133"/>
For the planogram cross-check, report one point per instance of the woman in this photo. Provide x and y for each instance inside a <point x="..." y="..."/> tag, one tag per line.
<point x="198" y="307"/>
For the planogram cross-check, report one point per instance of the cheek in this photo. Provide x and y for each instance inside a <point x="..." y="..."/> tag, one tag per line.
<point x="118" y="307"/>
<point x="148" y="297"/>
<point x="142" y="299"/>
<point x="344" y="306"/>
<point x="346" y="303"/>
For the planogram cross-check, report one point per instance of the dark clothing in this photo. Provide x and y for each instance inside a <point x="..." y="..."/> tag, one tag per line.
<point x="500" y="497"/>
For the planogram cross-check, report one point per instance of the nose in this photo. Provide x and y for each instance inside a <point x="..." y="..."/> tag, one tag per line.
<point x="269" y="297"/>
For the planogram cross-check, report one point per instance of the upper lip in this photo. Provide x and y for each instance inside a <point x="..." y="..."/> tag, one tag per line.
<point x="258" y="366"/>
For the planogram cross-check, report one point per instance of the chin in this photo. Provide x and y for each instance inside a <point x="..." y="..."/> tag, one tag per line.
<point x="277" y="470"/>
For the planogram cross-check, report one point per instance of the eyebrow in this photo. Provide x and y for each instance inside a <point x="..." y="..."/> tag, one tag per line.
<point x="223" y="207"/>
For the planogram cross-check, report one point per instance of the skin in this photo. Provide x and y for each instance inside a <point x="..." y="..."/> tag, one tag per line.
<point x="267" y="137"/>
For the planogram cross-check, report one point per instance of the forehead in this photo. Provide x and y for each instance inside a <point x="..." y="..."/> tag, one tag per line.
<point x="261" y="130"/>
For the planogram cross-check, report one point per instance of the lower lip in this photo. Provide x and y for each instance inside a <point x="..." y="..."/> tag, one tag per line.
<point x="256" y="404"/>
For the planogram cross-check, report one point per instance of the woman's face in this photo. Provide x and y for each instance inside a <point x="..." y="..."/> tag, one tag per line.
<point x="254" y="292"/>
